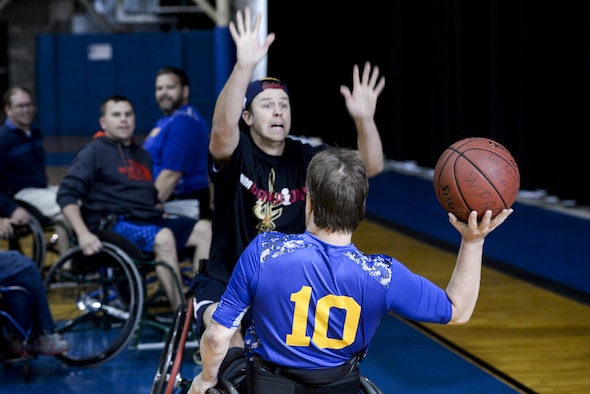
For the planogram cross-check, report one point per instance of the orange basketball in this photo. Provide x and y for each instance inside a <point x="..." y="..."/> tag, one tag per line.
<point x="476" y="174"/>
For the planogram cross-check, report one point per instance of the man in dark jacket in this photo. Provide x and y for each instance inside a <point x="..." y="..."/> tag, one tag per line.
<point x="111" y="177"/>
<point x="22" y="165"/>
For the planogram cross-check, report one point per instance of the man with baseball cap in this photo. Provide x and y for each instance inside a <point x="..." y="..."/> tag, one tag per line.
<point x="259" y="85"/>
<point x="258" y="173"/>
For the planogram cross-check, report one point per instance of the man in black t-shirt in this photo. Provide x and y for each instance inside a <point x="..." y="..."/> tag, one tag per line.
<point x="258" y="175"/>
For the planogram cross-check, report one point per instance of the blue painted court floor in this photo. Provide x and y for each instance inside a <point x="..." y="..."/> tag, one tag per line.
<point x="401" y="360"/>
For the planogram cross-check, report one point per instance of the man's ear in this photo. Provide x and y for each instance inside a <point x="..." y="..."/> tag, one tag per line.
<point x="247" y="117"/>
<point x="186" y="92"/>
<point x="308" y="205"/>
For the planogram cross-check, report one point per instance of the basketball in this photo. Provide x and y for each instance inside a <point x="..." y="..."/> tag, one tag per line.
<point x="476" y="174"/>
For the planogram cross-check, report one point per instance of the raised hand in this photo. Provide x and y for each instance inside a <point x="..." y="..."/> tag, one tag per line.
<point x="246" y="36"/>
<point x="361" y="103"/>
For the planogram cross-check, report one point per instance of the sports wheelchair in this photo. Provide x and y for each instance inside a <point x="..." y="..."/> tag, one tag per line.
<point x="104" y="302"/>
<point x="38" y="239"/>
<point x="168" y="378"/>
<point x="29" y="351"/>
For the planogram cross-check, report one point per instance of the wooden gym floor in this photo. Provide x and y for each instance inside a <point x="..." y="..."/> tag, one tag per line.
<point x="533" y="337"/>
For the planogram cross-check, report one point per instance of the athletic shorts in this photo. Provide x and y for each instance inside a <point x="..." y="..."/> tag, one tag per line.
<point x="144" y="234"/>
<point x="207" y="291"/>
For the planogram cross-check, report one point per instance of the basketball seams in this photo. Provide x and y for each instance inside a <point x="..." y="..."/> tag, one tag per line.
<point x="489" y="180"/>
<point x="481" y="166"/>
<point x="444" y="189"/>
<point x="483" y="179"/>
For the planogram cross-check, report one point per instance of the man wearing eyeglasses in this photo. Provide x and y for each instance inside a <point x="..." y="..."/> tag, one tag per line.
<point x="22" y="164"/>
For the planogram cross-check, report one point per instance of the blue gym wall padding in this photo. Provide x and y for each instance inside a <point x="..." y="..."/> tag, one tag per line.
<point x="545" y="244"/>
<point x="70" y="86"/>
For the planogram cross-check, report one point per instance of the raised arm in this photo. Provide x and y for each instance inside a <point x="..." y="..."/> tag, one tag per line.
<point x="229" y="106"/>
<point x="463" y="287"/>
<point x="361" y="105"/>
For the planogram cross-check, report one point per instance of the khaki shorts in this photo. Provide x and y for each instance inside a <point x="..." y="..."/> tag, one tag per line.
<point x="44" y="199"/>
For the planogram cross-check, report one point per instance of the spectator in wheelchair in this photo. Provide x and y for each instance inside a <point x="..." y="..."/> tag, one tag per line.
<point x="316" y="300"/>
<point x="178" y="144"/>
<point x="19" y="270"/>
<point x="22" y="164"/>
<point x="110" y="186"/>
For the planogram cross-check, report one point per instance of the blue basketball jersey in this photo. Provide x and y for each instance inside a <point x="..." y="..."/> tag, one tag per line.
<point x="315" y="305"/>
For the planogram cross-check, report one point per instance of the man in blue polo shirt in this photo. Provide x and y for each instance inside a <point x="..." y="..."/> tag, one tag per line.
<point x="178" y="145"/>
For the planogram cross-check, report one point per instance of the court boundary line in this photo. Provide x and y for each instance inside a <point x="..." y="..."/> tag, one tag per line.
<point x="469" y="357"/>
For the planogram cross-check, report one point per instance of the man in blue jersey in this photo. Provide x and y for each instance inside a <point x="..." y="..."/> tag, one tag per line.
<point x="314" y="328"/>
<point x="178" y="144"/>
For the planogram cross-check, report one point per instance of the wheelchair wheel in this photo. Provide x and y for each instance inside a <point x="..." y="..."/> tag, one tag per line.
<point x="96" y="302"/>
<point x="171" y="357"/>
<point x="29" y="240"/>
<point x="223" y="387"/>
<point x="368" y="387"/>
<point x="171" y="348"/>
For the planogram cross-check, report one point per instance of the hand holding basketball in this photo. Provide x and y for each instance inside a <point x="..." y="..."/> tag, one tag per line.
<point x="476" y="174"/>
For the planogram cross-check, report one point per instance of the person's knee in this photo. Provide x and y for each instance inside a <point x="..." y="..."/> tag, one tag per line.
<point x="201" y="234"/>
<point x="164" y="241"/>
<point x="203" y="230"/>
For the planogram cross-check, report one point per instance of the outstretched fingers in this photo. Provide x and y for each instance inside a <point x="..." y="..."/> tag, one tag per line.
<point x="487" y="224"/>
<point x="372" y="76"/>
<point x="243" y="22"/>
<point x="501" y="217"/>
<point x="240" y="22"/>
<point x="257" y="20"/>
